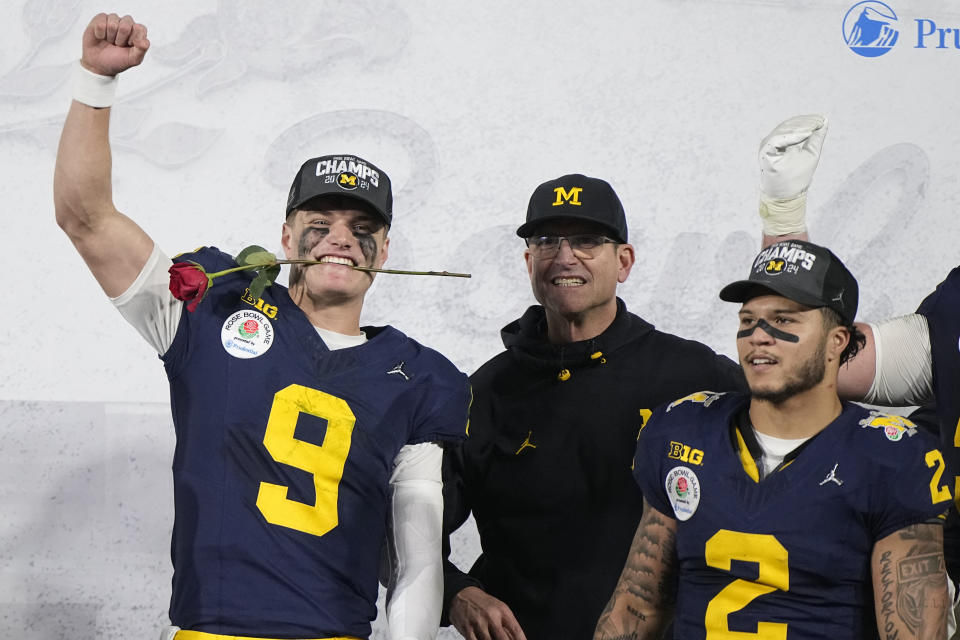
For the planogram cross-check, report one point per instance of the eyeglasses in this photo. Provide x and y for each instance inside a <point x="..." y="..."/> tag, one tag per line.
<point x="583" y="245"/>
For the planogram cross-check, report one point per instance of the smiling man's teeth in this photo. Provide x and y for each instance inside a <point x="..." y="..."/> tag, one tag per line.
<point x="567" y="282"/>
<point x="762" y="361"/>
<point x="337" y="260"/>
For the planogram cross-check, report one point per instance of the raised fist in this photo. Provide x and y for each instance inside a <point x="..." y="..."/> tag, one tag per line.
<point x="789" y="156"/>
<point x="112" y="44"/>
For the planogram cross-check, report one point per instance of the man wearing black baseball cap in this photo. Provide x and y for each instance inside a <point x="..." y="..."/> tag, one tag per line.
<point x="786" y="512"/>
<point x="303" y="440"/>
<point x="546" y="466"/>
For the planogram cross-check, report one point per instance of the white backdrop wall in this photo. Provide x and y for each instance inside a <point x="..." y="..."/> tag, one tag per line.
<point x="468" y="106"/>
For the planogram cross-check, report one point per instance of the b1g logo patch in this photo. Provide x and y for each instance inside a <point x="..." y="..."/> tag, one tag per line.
<point x="246" y="334"/>
<point x="683" y="491"/>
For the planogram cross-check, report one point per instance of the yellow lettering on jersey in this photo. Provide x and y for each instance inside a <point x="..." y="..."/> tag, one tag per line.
<point x="956" y="435"/>
<point x="773" y="572"/>
<point x="268" y="309"/>
<point x="325" y="462"/>
<point x="685" y="453"/>
<point x="938" y="492"/>
<point x="568" y="197"/>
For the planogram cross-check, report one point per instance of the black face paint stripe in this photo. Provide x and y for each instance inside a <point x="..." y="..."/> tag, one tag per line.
<point x="368" y="246"/>
<point x="771" y="331"/>
<point x="309" y="239"/>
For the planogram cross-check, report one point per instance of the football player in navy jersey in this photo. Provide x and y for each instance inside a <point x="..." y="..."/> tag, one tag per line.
<point x="786" y="513"/>
<point x="303" y="440"/>
<point x="905" y="361"/>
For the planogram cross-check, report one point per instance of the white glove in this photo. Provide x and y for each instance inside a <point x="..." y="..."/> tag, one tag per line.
<point x="788" y="158"/>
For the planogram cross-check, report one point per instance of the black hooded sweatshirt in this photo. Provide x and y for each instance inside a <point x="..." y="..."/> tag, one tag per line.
<point x="546" y="467"/>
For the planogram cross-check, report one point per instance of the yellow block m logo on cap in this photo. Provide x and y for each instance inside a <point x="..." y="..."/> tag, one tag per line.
<point x="568" y="197"/>
<point x="348" y="180"/>
<point x="775" y="266"/>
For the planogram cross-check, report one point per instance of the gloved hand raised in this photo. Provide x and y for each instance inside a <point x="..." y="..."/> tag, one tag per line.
<point x="788" y="158"/>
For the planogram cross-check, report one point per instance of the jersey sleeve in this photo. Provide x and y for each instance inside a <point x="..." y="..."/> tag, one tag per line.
<point x="648" y="469"/>
<point x="910" y="482"/>
<point x="445" y="405"/>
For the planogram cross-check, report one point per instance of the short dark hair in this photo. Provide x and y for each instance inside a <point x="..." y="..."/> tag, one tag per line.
<point x="832" y="319"/>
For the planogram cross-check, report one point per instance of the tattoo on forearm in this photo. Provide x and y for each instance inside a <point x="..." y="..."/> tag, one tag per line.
<point x="919" y="576"/>
<point x="887" y="598"/>
<point x="650" y="577"/>
<point x="635" y="613"/>
<point x="913" y="584"/>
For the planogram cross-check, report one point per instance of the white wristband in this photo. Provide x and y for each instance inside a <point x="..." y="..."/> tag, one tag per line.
<point x="91" y="88"/>
<point x="783" y="217"/>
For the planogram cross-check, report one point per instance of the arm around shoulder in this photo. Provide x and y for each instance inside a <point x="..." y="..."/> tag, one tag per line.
<point x="895" y="366"/>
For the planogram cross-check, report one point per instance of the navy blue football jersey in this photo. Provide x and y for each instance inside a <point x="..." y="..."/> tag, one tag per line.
<point x="283" y="458"/>
<point x="786" y="556"/>
<point x="942" y="311"/>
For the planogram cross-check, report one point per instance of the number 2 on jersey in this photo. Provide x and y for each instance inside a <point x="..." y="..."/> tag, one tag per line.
<point x="324" y="462"/>
<point x="773" y="573"/>
<point x="938" y="492"/>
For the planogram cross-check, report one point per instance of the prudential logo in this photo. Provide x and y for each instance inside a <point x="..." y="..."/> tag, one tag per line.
<point x="869" y="28"/>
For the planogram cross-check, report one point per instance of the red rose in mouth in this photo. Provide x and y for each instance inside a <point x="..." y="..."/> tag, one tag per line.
<point x="188" y="282"/>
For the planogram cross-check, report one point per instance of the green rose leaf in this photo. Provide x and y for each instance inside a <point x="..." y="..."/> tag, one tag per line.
<point x="261" y="282"/>
<point x="255" y="255"/>
<point x="271" y="272"/>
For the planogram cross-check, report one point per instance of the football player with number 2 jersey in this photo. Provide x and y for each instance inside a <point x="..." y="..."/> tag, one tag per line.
<point x="785" y="513"/>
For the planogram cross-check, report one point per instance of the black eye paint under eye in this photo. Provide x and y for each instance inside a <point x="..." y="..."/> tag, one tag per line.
<point x="310" y="237"/>
<point x="771" y="331"/>
<point x="368" y="246"/>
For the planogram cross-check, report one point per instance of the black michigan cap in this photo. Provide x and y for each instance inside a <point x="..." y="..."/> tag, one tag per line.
<point x="342" y="175"/>
<point x="576" y="197"/>
<point x="803" y="272"/>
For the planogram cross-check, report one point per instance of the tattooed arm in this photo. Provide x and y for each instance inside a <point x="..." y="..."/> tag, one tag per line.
<point x="910" y="584"/>
<point x="642" y="602"/>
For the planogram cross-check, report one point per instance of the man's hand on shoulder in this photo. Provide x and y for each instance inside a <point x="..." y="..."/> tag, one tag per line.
<point x="112" y="44"/>
<point x="479" y="616"/>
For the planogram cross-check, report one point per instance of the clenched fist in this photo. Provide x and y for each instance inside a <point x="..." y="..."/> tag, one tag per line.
<point x="788" y="159"/>
<point x="112" y="44"/>
<point x="789" y="156"/>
